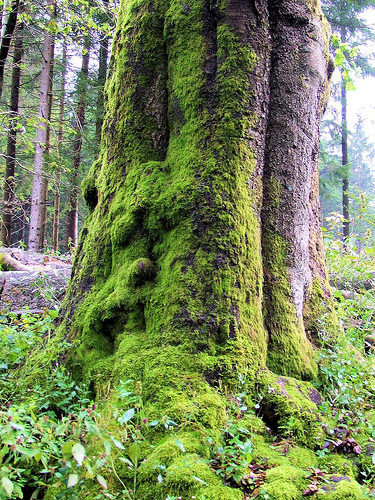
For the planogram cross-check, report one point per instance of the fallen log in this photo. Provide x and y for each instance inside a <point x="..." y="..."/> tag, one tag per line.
<point x="15" y="264"/>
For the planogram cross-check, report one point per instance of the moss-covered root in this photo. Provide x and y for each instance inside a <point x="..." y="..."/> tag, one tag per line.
<point x="289" y="407"/>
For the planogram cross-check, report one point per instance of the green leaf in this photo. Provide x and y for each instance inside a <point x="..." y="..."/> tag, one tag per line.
<point x="248" y="446"/>
<point x="61" y="429"/>
<point x="90" y="471"/>
<point x="127" y="416"/>
<point x="7" y="485"/>
<point x="134" y="453"/>
<point x="26" y="452"/>
<point x="72" y="480"/>
<point x="163" y="440"/>
<point x="66" y="450"/>
<point x="34" y="496"/>
<point x="199" y="480"/>
<point x="102" y="481"/>
<point x="126" y="461"/>
<point x="78" y="452"/>
<point x="107" y="446"/>
<point x="180" y="445"/>
<point x="153" y="423"/>
<point x="339" y="58"/>
<point x="92" y="429"/>
<point x="118" y="444"/>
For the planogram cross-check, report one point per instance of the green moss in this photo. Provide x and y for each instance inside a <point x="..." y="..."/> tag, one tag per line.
<point x="184" y="474"/>
<point x="344" y="490"/>
<point x="264" y="451"/>
<point x="4" y="266"/>
<point x="301" y="457"/>
<point x="289" y="406"/>
<point x="280" y="490"/>
<point x="289" y="353"/>
<point x="287" y="474"/>
<point x="337" y="464"/>
<point x="318" y="313"/>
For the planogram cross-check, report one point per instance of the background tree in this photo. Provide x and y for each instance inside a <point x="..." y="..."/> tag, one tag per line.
<point x="102" y="74"/>
<point x="348" y="22"/>
<point x="8" y="24"/>
<point x="72" y="213"/>
<point x="69" y="29"/>
<point x="56" y="202"/>
<point x="9" y="194"/>
<point x="40" y="183"/>
<point x="361" y="180"/>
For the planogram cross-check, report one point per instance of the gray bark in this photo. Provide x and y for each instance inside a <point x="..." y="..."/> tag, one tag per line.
<point x="39" y="192"/>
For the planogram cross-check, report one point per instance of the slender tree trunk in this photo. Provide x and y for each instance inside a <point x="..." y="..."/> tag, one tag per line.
<point x="39" y="192"/>
<point x="344" y="156"/>
<point x="72" y="214"/>
<point x="8" y="208"/>
<point x="56" y="203"/>
<point x="8" y="24"/>
<point x="102" y="75"/>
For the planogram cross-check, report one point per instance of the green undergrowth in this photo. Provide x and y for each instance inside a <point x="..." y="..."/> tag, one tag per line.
<point x="276" y="439"/>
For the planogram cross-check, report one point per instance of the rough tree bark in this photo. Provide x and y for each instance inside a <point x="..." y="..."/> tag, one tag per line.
<point x="8" y="24"/>
<point x="9" y="184"/>
<point x="60" y="136"/>
<point x="102" y="75"/>
<point x="202" y="256"/>
<point x="39" y="192"/>
<point x="344" y="155"/>
<point x="71" y="234"/>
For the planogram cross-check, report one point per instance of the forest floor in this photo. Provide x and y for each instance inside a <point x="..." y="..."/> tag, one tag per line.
<point x="57" y="442"/>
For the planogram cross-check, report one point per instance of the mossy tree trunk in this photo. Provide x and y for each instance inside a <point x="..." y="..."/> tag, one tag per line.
<point x="202" y="256"/>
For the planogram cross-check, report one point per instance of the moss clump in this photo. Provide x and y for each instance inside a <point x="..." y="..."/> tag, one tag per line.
<point x="318" y="312"/>
<point x="289" y="352"/>
<point x="287" y="474"/>
<point x="184" y="474"/>
<point x="289" y="406"/>
<point x="301" y="457"/>
<point x="4" y="266"/>
<point x="343" y="488"/>
<point x="280" y="490"/>
<point x="337" y="464"/>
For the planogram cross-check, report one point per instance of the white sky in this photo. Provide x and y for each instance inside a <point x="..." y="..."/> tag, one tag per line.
<point x="361" y="102"/>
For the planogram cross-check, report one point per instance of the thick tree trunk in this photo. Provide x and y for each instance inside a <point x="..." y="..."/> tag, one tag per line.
<point x="72" y="214"/>
<point x="40" y="186"/>
<point x="203" y="248"/>
<point x="9" y="186"/>
<point x="202" y="259"/>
